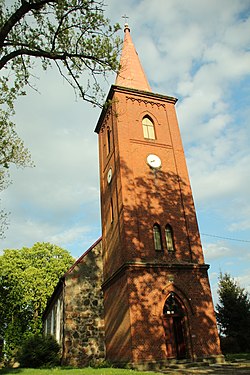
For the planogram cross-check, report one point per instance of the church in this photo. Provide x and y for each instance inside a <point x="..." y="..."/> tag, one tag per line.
<point x="140" y="295"/>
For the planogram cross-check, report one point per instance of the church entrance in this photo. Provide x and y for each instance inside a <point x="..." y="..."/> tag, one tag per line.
<point x="174" y="327"/>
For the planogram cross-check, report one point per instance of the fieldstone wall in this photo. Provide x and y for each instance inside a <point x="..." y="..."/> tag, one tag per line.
<point x="83" y="311"/>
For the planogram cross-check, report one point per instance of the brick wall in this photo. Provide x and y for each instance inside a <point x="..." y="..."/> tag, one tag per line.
<point x="149" y="287"/>
<point x="137" y="278"/>
<point x="134" y="323"/>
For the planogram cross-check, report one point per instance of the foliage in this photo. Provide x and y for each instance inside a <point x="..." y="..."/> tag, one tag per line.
<point x="39" y="351"/>
<point x="229" y="344"/>
<point x="233" y="314"/>
<point x="27" y="279"/>
<point x="11" y="146"/>
<point x="12" y="150"/>
<point x="73" y="35"/>
<point x="101" y="364"/>
<point x="3" y="220"/>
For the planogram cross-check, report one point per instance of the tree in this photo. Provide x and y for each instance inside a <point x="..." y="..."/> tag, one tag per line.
<point x="73" y="35"/>
<point x="12" y="150"/>
<point x="27" y="279"/>
<point x="233" y="313"/>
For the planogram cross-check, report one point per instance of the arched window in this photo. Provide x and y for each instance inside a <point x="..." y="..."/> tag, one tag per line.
<point x="173" y="305"/>
<point x="169" y="237"/>
<point x="157" y="237"/>
<point x="148" y="128"/>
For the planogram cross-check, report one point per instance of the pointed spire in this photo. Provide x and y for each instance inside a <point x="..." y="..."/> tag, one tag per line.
<point x="131" y="73"/>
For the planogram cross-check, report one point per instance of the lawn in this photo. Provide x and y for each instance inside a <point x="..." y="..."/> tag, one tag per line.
<point x="237" y="357"/>
<point x="69" y="371"/>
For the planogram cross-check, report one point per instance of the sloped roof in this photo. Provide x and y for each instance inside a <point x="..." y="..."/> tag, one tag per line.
<point x="81" y="257"/>
<point x="60" y="283"/>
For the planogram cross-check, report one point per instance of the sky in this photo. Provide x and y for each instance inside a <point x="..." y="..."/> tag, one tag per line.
<point x="194" y="50"/>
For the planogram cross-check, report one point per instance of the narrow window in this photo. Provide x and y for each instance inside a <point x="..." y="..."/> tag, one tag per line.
<point x="157" y="237"/>
<point x="58" y="321"/>
<point x="148" y="128"/>
<point x="111" y="211"/>
<point x="169" y="237"/>
<point x="46" y="327"/>
<point x="108" y="141"/>
<point x="52" y="322"/>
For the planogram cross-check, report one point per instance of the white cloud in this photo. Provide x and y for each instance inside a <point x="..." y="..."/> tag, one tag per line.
<point x="78" y="235"/>
<point x="217" y="250"/>
<point x="195" y="50"/>
<point x="227" y="256"/>
<point x="47" y="201"/>
<point x="244" y="281"/>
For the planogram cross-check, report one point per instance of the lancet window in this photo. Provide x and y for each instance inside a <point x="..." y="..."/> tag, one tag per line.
<point x="108" y="140"/>
<point x="157" y="237"/>
<point x="169" y="237"/>
<point x="148" y="128"/>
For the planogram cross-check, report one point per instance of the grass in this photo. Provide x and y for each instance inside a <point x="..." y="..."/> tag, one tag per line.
<point x="238" y="356"/>
<point x="70" y="371"/>
<point x="101" y="371"/>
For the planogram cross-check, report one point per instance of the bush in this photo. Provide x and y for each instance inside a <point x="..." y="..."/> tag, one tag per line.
<point x="229" y="345"/>
<point x="39" y="351"/>
<point x="100" y="363"/>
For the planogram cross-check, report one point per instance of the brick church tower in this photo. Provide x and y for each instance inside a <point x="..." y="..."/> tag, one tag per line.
<point x="157" y="298"/>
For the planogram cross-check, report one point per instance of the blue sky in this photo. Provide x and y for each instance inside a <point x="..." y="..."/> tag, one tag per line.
<point x="195" y="50"/>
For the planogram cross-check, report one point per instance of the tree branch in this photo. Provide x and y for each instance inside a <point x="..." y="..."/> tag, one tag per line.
<point x="45" y="54"/>
<point x="60" y="24"/>
<point x="19" y="14"/>
<point x="86" y="97"/>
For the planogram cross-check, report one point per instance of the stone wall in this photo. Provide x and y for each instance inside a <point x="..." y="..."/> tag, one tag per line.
<point x="83" y="310"/>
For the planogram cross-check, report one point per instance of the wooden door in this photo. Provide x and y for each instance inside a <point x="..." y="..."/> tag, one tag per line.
<point x="179" y="337"/>
<point x="169" y="337"/>
<point x="173" y="322"/>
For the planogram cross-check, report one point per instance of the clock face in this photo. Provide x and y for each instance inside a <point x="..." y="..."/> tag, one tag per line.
<point x="154" y="161"/>
<point x="109" y="175"/>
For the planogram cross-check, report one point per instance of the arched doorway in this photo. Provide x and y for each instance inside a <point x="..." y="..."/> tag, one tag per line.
<point x="174" y="327"/>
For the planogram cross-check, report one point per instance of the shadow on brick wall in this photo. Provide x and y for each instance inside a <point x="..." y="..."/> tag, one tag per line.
<point x="138" y="279"/>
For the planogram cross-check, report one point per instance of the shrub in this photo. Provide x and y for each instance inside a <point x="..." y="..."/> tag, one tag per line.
<point x="100" y="363"/>
<point x="229" y="345"/>
<point x="39" y="351"/>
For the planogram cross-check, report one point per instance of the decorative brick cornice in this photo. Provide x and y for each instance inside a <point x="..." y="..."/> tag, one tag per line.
<point x="141" y="95"/>
<point x="145" y="102"/>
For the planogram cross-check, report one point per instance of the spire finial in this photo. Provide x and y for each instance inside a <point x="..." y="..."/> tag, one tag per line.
<point x="126" y="27"/>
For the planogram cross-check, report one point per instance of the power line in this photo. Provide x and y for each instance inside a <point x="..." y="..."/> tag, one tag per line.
<point x="225" y="238"/>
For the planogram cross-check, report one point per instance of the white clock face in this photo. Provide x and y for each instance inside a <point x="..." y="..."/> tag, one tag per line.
<point x="109" y="176"/>
<point x="154" y="161"/>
